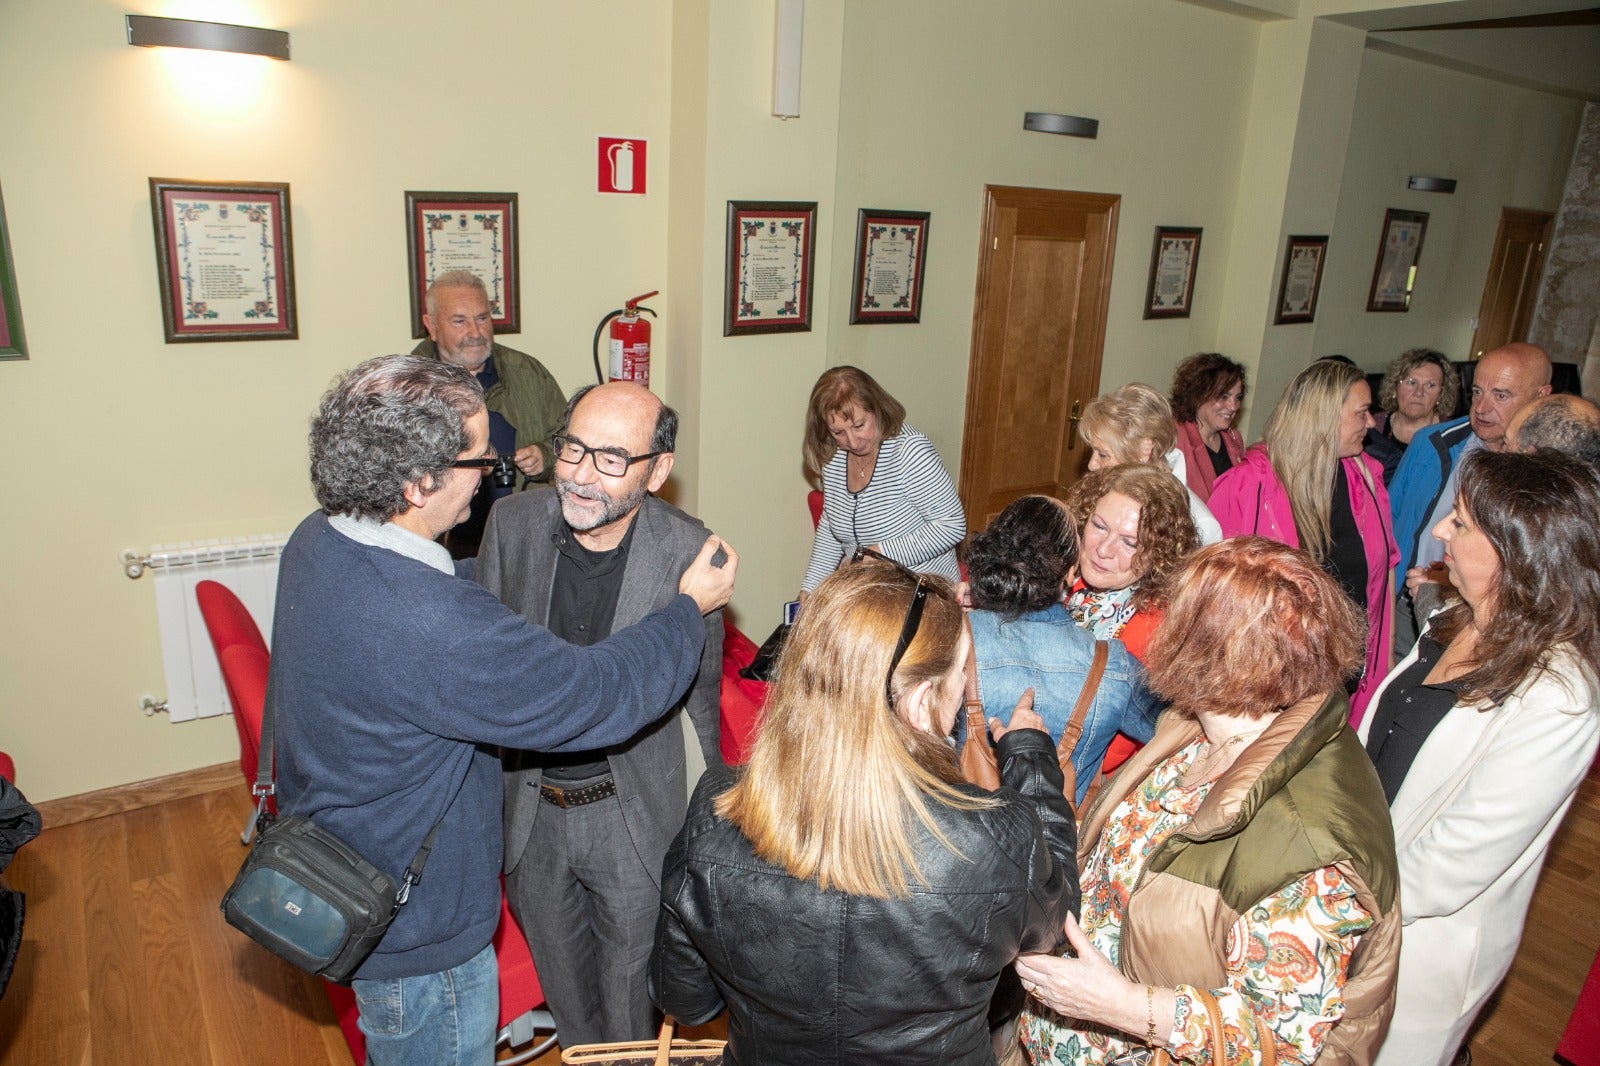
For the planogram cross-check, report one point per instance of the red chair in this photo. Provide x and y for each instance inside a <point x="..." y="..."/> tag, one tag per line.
<point x="243" y="658"/>
<point x="741" y="699"/>
<point x="238" y="643"/>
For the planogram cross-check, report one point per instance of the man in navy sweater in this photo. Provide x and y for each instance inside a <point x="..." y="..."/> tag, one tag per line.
<point x="395" y="677"/>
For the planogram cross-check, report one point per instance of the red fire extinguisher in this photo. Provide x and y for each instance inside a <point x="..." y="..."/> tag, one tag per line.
<point x="629" y="342"/>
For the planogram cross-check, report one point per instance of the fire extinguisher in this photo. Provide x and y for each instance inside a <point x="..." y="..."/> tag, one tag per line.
<point x="629" y="342"/>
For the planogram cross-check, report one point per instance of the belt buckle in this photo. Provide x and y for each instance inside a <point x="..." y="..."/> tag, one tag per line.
<point x="555" y="794"/>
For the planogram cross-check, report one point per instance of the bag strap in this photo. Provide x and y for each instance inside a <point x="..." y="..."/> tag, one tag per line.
<point x="1219" y="1042"/>
<point x="266" y="786"/>
<point x="1080" y="710"/>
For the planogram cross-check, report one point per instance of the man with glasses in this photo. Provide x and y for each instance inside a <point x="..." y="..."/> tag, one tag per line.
<point x="523" y="399"/>
<point x="586" y="832"/>
<point x="390" y="672"/>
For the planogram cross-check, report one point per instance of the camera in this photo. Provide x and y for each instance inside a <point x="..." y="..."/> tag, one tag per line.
<point x="503" y="474"/>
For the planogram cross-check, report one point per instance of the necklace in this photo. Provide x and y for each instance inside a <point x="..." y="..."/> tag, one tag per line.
<point x="1212" y="758"/>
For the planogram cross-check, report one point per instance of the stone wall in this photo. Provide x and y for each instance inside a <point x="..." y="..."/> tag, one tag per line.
<point x="1566" y="321"/>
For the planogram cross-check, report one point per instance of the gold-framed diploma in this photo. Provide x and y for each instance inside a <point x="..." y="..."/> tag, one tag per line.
<point x="224" y="260"/>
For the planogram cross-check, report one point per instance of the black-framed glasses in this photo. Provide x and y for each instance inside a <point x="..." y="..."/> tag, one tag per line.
<point x="483" y="464"/>
<point x="612" y="462"/>
<point x="913" y="622"/>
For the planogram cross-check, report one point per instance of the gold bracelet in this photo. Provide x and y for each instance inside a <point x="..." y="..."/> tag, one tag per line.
<point x="1150" y="1016"/>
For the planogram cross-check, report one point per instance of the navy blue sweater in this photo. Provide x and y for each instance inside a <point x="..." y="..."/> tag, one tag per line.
<point x="391" y="677"/>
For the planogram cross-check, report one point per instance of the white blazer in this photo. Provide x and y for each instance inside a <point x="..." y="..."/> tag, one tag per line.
<point x="1473" y="821"/>
<point x="1205" y="523"/>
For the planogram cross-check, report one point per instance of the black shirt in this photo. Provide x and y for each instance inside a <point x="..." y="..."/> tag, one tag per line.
<point x="1406" y="716"/>
<point x="1221" y="461"/>
<point x="583" y="604"/>
<point x="1346" y="561"/>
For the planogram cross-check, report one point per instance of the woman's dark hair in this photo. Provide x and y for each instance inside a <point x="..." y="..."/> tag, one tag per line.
<point x="1200" y="378"/>
<point x="1540" y="514"/>
<point x="1020" y="562"/>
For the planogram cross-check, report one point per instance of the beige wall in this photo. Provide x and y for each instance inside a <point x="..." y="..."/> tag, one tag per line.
<point x="123" y="441"/>
<point x="905" y="105"/>
<point x="1505" y="146"/>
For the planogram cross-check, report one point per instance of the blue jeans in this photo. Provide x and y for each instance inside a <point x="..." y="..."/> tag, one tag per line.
<point x="436" y="1019"/>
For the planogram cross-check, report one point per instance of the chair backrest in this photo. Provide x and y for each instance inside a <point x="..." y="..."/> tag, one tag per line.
<point x="242" y="655"/>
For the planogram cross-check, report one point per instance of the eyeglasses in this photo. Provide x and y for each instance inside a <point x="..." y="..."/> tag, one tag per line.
<point x="913" y="622"/>
<point x="1425" y="386"/>
<point x="612" y="462"/>
<point x="483" y="464"/>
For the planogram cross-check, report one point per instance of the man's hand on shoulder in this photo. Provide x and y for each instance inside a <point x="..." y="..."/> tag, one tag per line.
<point x="709" y="579"/>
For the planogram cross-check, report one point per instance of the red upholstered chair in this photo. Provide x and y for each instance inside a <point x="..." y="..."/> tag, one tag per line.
<point x="1580" y="1041"/>
<point x="242" y="655"/>
<point x="814" y="503"/>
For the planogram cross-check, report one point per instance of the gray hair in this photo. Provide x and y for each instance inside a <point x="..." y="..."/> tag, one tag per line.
<point x="454" y="279"/>
<point x="663" y="438"/>
<point x="1562" y="424"/>
<point x="391" y="421"/>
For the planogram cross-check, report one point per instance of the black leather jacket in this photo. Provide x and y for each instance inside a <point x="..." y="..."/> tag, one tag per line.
<point x="813" y="978"/>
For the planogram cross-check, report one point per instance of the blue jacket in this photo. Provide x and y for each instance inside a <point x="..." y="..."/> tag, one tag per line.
<point x="1047" y="652"/>
<point x="1418" y="482"/>
<point x="390" y="677"/>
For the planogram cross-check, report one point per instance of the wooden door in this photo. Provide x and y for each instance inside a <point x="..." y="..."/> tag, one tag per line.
<point x="1038" y="329"/>
<point x="1515" y="267"/>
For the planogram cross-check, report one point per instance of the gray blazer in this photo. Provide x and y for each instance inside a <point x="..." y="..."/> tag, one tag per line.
<point x="517" y="562"/>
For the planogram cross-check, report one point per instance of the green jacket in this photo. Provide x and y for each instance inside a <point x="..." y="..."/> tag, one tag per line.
<point x="1301" y="797"/>
<point x="526" y="395"/>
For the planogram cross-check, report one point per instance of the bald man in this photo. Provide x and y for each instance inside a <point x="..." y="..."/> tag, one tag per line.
<point x="1558" y="423"/>
<point x="586" y="832"/>
<point x="1424" y="487"/>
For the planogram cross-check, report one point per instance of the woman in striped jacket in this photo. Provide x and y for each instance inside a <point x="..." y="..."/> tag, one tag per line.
<point x="883" y="484"/>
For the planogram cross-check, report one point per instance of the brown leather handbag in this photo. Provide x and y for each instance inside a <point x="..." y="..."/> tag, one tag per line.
<point x="978" y="763"/>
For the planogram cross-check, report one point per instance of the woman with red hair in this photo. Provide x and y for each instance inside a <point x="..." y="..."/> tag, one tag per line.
<point x="1239" y="883"/>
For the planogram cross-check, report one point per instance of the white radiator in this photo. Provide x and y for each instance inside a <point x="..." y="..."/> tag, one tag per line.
<point x="249" y="567"/>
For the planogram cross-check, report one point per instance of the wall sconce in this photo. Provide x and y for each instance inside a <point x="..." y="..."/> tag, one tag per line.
<point x="1422" y="183"/>
<point x="786" y="40"/>
<point x="148" y="31"/>
<point x="1066" y="125"/>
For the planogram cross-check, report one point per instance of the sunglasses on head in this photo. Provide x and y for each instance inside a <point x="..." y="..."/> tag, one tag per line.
<point x="908" y="630"/>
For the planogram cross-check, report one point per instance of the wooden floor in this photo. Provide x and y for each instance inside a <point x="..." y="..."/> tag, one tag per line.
<point x="127" y="960"/>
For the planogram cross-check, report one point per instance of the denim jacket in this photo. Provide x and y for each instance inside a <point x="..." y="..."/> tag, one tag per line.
<point x="1047" y="652"/>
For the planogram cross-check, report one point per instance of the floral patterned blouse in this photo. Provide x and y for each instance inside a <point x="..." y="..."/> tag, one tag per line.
<point x="1286" y="958"/>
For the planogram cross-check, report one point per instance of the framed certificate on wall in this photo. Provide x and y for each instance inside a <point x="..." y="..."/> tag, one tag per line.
<point x="1301" y="280"/>
<point x="891" y="254"/>
<point x="474" y="231"/>
<point x="771" y="250"/>
<point x="225" y="260"/>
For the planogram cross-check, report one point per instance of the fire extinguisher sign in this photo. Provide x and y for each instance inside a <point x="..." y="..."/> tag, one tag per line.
<point x="622" y="165"/>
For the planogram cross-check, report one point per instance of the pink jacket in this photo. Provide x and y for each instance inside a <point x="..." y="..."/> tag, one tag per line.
<point x="1197" y="466"/>
<point x="1249" y="499"/>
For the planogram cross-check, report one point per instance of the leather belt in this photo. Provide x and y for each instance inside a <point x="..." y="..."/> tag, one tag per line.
<point x="577" y="797"/>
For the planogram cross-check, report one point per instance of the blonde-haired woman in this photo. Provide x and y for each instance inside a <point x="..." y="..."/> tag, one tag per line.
<point x="1308" y="485"/>
<point x="848" y="898"/>
<point x="1134" y="425"/>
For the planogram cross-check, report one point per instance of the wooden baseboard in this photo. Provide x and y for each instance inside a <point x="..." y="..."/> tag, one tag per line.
<point x="123" y="798"/>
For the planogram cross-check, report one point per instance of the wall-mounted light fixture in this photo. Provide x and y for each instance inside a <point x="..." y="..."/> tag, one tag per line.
<point x="1066" y="125"/>
<point x="1423" y="183"/>
<point x="148" y="31"/>
<point x="786" y="38"/>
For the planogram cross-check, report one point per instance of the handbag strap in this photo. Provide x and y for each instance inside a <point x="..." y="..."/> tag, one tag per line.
<point x="1219" y="1041"/>
<point x="971" y="701"/>
<point x="266" y="786"/>
<point x="1080" y="710"/>
<point x="664" y="1041"/>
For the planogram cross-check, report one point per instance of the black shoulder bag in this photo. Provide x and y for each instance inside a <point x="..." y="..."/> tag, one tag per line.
<point x="307" y="896"/>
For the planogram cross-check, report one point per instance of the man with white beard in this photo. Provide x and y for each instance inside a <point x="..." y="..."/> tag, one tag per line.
<point x="586" y="832"/>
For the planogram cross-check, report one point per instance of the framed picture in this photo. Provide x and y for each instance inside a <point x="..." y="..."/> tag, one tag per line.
<point x="1302" y="278"/>
<point x="891" y="253"/>
<point x="474" y="231"/>
<point x="12" y="345"/>
<point x="771" y="249"/>
<point x="1395" y="272"/>
<point x="225" y="260"/>
<point x="1172" y="269"/>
